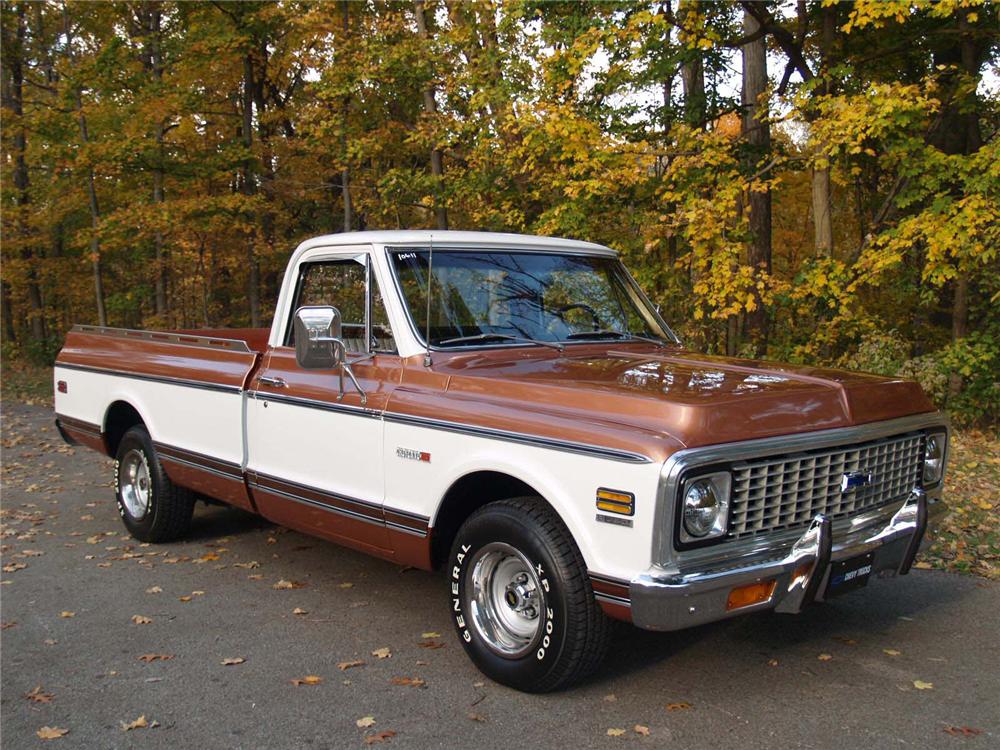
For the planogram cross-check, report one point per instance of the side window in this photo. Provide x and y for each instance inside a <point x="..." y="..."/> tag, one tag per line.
<point x="343" y="284"/>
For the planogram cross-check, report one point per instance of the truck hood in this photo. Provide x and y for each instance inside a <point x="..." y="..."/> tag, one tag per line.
<point x="694" y="399"/>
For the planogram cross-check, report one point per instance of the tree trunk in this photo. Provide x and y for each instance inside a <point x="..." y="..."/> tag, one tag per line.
<point x="156" y="67"/>
<point x="430" y="108"/>
<point x="758" y="134"/>
<point x="821" y="205"/>
<point x="14" y="101"/>
<point x="249" y="188"/>
<point x="693" y="80"/>
<point x="822" y="196"/>
<point x="94" y="206"/>
<point x="963" y="117"/>
<point x="345" y="175"/>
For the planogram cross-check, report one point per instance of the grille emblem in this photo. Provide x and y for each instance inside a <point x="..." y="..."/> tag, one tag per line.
<point x="854" y="479"/>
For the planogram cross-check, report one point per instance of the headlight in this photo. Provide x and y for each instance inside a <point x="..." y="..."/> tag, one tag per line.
<point x="934" y="450"/>
<point x="705" y="507"/>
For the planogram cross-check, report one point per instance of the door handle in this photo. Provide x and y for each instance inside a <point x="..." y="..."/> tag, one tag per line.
<point x="273" y="382"/>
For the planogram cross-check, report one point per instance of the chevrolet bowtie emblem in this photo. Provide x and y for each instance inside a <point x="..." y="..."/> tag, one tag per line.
<point x="854" y="479"/>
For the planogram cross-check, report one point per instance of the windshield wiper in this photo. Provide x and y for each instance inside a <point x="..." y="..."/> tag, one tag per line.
<point x="606" y="333"/>
<point x="481" y="337"/>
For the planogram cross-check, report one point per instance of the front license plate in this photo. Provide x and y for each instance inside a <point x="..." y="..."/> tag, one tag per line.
<point x="850" y="574"/>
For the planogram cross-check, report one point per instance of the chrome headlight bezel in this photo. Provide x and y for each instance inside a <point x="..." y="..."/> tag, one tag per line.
<point x="935" y="455"/>
<point x="698" y="488"/>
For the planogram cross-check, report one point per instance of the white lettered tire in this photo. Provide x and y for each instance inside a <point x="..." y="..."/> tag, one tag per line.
<point x="520" y="598"/>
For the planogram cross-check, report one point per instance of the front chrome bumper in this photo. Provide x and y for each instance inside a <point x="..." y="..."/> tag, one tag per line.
<point x="662" y="600"/>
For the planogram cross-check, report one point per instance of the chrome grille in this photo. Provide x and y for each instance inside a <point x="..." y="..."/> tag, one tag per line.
<point x="788" y="491"/>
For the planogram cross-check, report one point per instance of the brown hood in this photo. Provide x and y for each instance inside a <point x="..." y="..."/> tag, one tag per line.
<point x="686" y="398"/>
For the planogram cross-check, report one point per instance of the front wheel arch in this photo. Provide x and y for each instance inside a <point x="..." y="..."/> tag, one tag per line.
<point x="468" y="494"/>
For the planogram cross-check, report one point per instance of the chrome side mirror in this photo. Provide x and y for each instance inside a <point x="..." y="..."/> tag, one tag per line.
<point x="318" y="344"/>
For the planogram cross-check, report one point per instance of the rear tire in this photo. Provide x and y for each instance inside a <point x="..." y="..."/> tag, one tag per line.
<point x="153" y="508"/>
<point x="521" y="600"/>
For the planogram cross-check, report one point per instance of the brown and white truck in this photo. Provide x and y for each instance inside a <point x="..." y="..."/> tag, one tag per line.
<point x="514" y="411"/>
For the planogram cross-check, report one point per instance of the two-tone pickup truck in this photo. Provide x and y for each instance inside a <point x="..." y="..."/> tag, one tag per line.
<point x="512" y="409"/>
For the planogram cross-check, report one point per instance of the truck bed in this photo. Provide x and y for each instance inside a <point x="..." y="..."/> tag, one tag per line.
<point x="199" y="374"/>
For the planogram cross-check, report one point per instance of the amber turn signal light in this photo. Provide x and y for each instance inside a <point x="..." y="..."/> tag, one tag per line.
<point x="753" y="593"/>
<point x="613" y="501"/>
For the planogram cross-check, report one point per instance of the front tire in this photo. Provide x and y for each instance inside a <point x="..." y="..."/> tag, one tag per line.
<point x="152" y="507"/>
<point x="521" y="599"/>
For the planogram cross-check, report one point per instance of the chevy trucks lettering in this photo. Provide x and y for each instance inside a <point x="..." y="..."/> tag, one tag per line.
<point x="750" y="485"/>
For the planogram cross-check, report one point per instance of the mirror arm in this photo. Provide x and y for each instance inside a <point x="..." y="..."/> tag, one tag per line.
<point x="350" y="373"/>
<point x="346" y="367"/>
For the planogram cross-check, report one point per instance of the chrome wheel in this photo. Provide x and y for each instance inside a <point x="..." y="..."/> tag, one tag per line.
<point x="134" y="484"/>
<point x="507" y="600"/>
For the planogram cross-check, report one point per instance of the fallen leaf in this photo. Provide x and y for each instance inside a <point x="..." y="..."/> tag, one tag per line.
<point x="154" y="590"/>
<point x="283" y="584"/>
<point x="408" y="681"/>
<point x="431" y="644"/>
<point x="891" y="652"/>
<point x="67" y="614"/>
<point x="38" y="696"/>
<point x="197" y="593"/>
<point x="640" y="729"/>
<point x="477" y="717"/>
<point x="32" y="552"/>
<point x="963" y="731"/>
<point x="141" y="619"/>
<point x="50" y="641"/>
<point x="382" y="653"/>
<point x="230" y="661"/>
<point x="6" y="625"/>
<point x="247" y="565"/>
<point x="51" y="733"/>
<point x="309" y="679"/>
<point x="921" y="685"/>
<point x="300" y="611"/>
<point x="824" y="657"/>
<point x="15" y="566"/>
<point x="365" y="722"/>
<point x="611" y="697"/>
<point x="922" y="565"/>
<point x="184" y="598"/>
<point x="345" y="665"/>
<point x="207" y="557"/>
<point x="681" y="706"/>
<point x="430" y="634"/>
<point x="155" y="657"/>
<point x="845" y="640"/>
<point x="772" y="662"/>
<point x="615" y="732"/>
<point x="382" y="736"/>
<point x="139" y="723"/>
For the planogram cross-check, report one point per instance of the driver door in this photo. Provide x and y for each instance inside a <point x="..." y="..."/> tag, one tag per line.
<point x="315" y="445"/>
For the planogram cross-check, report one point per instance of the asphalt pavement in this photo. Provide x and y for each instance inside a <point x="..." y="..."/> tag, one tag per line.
<point x="909" y="662"/>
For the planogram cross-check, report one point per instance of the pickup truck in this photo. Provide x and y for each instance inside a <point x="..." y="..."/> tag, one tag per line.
<point x="513" y="410"/>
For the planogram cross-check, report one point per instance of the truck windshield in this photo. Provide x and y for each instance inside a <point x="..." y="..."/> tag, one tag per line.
<point x="501" y="297"/>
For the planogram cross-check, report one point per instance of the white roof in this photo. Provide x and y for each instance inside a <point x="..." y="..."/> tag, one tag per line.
<point x="450" y="238"/>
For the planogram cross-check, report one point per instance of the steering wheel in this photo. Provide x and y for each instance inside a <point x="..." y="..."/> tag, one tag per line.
<point x="563" y="309"/>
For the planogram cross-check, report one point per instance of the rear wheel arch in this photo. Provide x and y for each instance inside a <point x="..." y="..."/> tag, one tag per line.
<point x="120" y="417"/>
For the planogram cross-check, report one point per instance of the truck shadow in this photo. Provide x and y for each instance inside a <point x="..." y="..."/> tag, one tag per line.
<point x="874" y="614"/>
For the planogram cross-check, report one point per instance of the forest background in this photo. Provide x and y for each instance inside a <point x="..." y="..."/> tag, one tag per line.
<point x="810" y="181"/>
